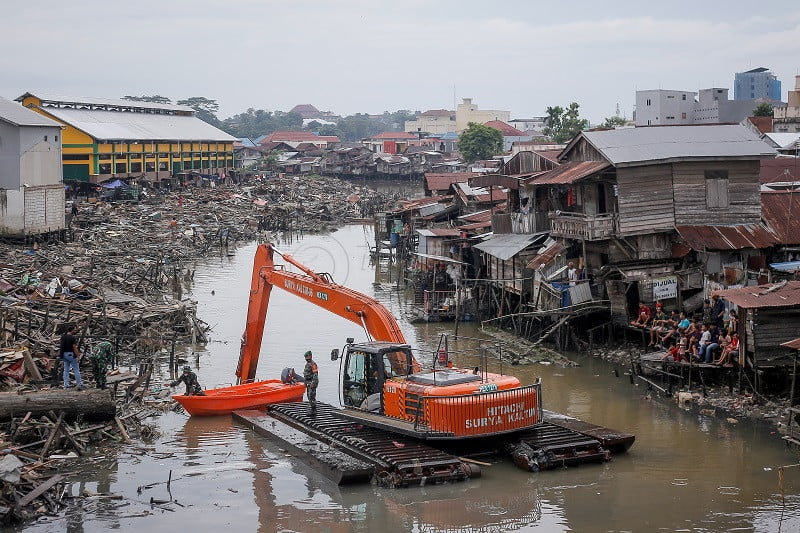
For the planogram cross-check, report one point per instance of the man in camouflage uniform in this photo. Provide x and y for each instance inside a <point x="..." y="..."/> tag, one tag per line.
<point x="189" y="379"/>
<point x="311" y="375"/>
<point x="102" y="355"/>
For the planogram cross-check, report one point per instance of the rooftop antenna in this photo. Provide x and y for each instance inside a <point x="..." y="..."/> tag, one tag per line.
<point x="617" y="109"/>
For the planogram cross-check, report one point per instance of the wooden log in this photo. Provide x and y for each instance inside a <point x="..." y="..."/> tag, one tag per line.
<point x="94" y="404"/>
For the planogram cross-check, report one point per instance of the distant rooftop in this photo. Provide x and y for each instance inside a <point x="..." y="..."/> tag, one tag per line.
<point x="60" y="100"/>
<point x="15" y="114"/>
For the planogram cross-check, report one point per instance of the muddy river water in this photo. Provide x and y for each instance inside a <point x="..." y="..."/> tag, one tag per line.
<point x="686" y="471"/>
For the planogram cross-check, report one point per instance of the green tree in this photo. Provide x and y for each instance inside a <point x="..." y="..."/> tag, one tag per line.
<point x="479" y="141"/>
<point x="613" y="122"/>
<point x="156" y="99"/>
<point x="205" y="108"/>
<point x="764" y="109"/>
<point x="563" y="124"/>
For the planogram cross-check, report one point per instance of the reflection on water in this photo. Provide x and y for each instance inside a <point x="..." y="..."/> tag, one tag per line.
<point x="685" y="472"/>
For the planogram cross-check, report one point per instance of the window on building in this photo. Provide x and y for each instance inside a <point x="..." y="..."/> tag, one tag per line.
<point x="162" y="165"/>
<point x="136" y="167"/>
<point x="75" y="157"/>
<point x="683" y="116"/>
<point x="121" y="168"/>
<point x="55" y="138"/>
<point x="648" y="101"/>
<point x="105" y="168"/>
<point x="716" y="189"/>
<point x="670" y="96"/>
<point x="683" y="97"/>
<point x="670" y="118"/>
<point x="104" y="157"/>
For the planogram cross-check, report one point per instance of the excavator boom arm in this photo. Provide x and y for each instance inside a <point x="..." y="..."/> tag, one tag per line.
<point x="379" y="323"/>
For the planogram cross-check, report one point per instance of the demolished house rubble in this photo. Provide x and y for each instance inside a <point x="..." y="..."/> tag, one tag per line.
<point x="120" y="276"/>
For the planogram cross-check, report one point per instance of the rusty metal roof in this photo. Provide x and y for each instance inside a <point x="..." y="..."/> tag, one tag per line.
<point x="727" y="237"/>
<point x="569" y="173"/>
<point x="794" y="345"/>
<point x="783" y="294"/>
<point x="780" y="210"/>
<point x="442" y="181"/>
<point x="546" y="255"/>
<point x="779" y="169"/>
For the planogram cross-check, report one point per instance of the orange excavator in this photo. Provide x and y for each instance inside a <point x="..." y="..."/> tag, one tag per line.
<point x="380" y="382"/>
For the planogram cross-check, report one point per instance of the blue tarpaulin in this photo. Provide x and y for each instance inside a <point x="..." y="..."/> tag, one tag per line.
<point x="791" y="266"/>
<point x="115" y="184"/>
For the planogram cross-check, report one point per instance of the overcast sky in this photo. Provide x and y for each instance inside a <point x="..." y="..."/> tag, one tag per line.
<point x="372" y="56"/>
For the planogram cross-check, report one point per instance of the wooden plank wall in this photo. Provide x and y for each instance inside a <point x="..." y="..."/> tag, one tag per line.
<point x="744" y="197"/>
<point x="583" y="151"/>
<point x="645" y="199"/>
<point x="774" y="327"/>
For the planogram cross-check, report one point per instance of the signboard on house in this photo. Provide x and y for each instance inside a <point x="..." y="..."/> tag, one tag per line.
<point x="664" y="288"/>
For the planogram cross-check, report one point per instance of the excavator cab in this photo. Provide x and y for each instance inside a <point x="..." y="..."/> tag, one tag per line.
<point x="365" y="367"/>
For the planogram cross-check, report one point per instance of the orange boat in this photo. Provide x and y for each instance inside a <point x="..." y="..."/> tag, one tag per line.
<point x="254" y="395"/>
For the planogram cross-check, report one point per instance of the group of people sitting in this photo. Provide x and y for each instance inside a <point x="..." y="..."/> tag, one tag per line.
<point x="707" y="338"/>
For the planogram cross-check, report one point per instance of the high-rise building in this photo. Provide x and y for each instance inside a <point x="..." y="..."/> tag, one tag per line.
<point x="759" y="83"/>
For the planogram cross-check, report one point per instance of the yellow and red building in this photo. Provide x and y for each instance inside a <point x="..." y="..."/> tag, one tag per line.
<point x="105" y="139"/>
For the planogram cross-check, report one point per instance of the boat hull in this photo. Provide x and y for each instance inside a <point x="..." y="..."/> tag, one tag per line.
<point x="256" y="395"/>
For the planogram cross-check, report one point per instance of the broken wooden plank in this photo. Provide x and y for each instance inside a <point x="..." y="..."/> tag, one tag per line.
<point x="40" y="489"/>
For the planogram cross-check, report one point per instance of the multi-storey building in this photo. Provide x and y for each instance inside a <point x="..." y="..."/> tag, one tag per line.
<point x="755" y="84"/>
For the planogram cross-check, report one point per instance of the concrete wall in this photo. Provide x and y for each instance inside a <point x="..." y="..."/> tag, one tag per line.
<point x="9" y="156"/>
<point x="664" y="108"/>
<point x="430" y="124"/>
<point x="467" y="112"/>
<point x="40" y="156"/>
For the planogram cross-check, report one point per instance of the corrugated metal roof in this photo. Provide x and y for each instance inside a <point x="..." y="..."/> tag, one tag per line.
<point x="794" y="345"/>
<point x="476" y="225"/>
<point x="508" y="245"/>
<point x="659" y="143"/>
<point x="783" y="140"/>
<point x="115" y="125"/>
<point x="18" y="115"/>
<point x="89" y="100"/>
<point x="442" y="181"/>
<point x="775" y="295"/>
<point x="569" y="173"/>
<point x="546" y="255"/>
<point x="779" y="169"/>
<point x="439" y="232"/>
<point x="780" y="210"/>
<point x="727" y="237"/>
<point x="478" y="216"/>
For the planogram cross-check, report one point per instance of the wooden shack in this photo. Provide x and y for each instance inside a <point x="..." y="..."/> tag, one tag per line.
<point x="769" y="316"/>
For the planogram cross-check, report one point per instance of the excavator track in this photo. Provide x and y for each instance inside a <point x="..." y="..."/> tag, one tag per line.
<point x="400" y="461"/>
<point x="550" y="446"/>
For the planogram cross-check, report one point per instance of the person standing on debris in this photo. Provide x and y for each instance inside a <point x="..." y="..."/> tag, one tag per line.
<point x="311" y="375"/>
<point x="189" y="379"/>
<point x="102" y="354"/>
<point x="71" y="356"/>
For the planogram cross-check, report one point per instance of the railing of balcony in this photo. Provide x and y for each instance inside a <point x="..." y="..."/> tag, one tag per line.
<point x="581" y="226"/>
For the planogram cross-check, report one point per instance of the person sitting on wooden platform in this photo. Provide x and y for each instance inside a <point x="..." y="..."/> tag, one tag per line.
<point x="730" y="352"/>
<point x="659" y="324"/>
<point x="643" y="317"/>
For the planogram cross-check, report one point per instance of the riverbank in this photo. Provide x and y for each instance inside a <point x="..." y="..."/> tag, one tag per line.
<point x="709" y="399"/>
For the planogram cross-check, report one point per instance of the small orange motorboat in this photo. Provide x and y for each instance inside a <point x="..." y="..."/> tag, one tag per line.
<point x="254" y="395"/>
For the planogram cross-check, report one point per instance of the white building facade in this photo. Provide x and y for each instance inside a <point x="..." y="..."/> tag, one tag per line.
<point x="31" y="185"/>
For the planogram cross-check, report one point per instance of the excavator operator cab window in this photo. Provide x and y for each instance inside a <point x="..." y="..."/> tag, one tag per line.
<point x="396" y="364"/>
<point x="354" y="380"/>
